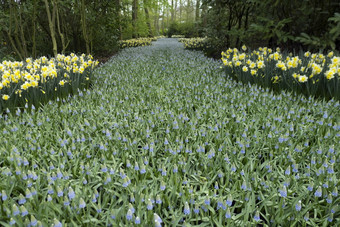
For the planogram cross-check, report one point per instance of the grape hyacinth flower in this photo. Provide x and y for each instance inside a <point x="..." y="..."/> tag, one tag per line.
<point x="196" y="209"/>
<point x="34" y="221"/>
<point x="310" y="186"/>
<point x="186" y="209"/>
<point x="257" y="216"/>
<point x="329" y="198"/>
<point x="129" y="215"/>
<point x="318" y="192"/>
<point x="158" y="220"/>
<point x="283" y="192"/>
<point x="56" y="223"/>
<point x="137" y="220"/>
<point x="12" y="221"/>
<point x="149" y="205"/>
<point x="66" y="201"/>
<point x="158" y="199"/>
<point x="330" y="218"/>
<point x="335" y="192"/>
<point x="228" y="214"/>
<point x="298" y="206"/>
<point x="15" y="210"/>
<point x="207" y="201"/>
<point x="71" y="193"/>
<point x="82" y="203"/>
<point x="24" y="211"/>
<point x="306" y="217"/>
<point x="229" y="200"/>
<point x="22" y="200"/>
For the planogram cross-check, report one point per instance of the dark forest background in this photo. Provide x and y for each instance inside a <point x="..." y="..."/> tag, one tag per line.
<point x="32" y="28"/>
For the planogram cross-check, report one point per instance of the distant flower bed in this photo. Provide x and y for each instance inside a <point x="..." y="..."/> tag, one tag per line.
<point x="177" y="36"/>
<point x="194" y="43"/>
<point x="307" y="73"/>
<point x="32" y="82"/>
<point x="136" y="42"/>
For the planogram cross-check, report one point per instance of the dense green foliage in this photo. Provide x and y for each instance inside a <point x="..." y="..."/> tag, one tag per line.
<point x="78" y="26"/>
<point x="166" y="139"/>
<point x="47" y="27"/>
<point x="290" y="24"/>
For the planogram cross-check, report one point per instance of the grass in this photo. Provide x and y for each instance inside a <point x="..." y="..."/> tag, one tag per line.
<point x="164" y="138"/>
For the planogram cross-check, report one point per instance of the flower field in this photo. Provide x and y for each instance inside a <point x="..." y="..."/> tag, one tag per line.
<point x="33" y="82"/>
<point x="165" y="139"/>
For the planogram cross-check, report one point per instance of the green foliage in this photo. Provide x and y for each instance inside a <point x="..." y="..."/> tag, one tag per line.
<point x="335" y="26"/>
<point x="26" y="27"/>
<point x="173" y="29"/>
<point x="291" y="24"/>
<point x="269" y="29"/>
<point x="314" y="42"/>
<point x="327" y="40"/>
<point x="186" y="29"/>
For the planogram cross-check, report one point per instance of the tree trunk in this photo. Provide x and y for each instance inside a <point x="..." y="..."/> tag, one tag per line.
<point x="51" y="22"/>
<point x="18" y="26"/>
<point x="156" y="22"/>
<point x="9" y="32"/>
<point x="22" y="35"/>
<point x="146" y="10"/>
<point x="62" y="37"/>
<point x="134" y="18"/>
<point x="167" y="17"/>
<point x="180" y="11"/>
<point x="34" y="44"/>
<point x="172" y="11"/>
<point x="239" y="21"/>
<point x="175" y="10"/>
<point x="118" y="12"/>
<point x="229" y="24"/>
<point x="204" y="16"/>
<point x="163" y="18"/>
<point x="188" y="10"/>
<point x="197" y="14"/>
<point x="84" y="27"/>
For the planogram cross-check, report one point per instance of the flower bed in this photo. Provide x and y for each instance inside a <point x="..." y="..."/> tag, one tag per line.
<point x="34" y="82"/>
<point x="307" y="73"/>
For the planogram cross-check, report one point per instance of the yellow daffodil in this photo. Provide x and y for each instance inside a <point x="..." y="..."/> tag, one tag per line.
<point x="5" y="97"/>
<point x="303" y="79"/>
<point x="62" y="83"/>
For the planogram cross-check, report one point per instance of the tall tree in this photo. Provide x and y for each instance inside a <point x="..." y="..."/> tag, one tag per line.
<point x="86" y="34"/>
<point x="147" y="16"/>
<point x="172" y="11"/>
<point x="134" y="18"/>
<point x="51" y="23"/>
<point x="197" y="12"/>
